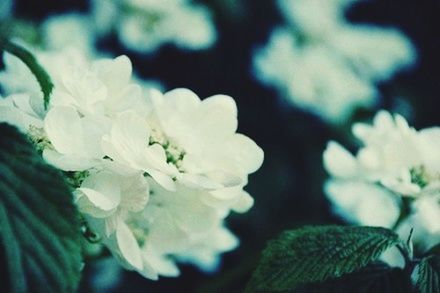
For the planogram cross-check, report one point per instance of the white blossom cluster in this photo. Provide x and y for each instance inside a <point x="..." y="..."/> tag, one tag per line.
<point x="154" y="175"/>
<point x="325" y="65"/>
<point x="145" y="25"/>
<point x="393" y="180"/>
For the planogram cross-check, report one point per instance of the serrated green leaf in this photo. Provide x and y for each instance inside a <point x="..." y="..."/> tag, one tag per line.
<point x="315" y="254"/>
<point x="377" y="278"/>
<point x="37" y="70"/>
<point x="39" y="225"/>
<point x="428" y="275"/>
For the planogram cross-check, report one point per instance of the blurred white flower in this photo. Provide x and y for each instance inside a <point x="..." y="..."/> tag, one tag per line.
<point x="395" y="166"/>
<point x="155" y="175"/>
<point x="325" y="65"/>
<point x="145" y="25"/>
<point x="73" y="30"/>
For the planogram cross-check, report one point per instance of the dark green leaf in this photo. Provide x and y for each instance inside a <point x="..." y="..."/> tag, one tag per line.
<point x="315" y="254"/>
<point x="377" y="278"/>
<point x="428" y="275"/>
<point x="39" y="225"/>
<point x="39" y="72"/>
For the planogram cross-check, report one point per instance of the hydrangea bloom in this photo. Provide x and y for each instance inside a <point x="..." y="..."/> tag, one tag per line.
<point x="395" y="166"/>
<point x="144" y="25"/>
<point x="154" y="175"/>
<point x="324" y="64"/>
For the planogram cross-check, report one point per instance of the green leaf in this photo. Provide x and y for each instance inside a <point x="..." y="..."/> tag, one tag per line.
<point x="377" y="278"/>
<point x="39" y="225"/>
<point x="39" y="72"/>
<point x="428" y="275"/>
<point x="315" y="254"/>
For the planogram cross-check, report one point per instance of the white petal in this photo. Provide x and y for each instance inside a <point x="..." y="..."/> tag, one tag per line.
<point x="64" y="129"/>
<point x="195" y="217"/>
<point x="130" y="134"/>
<point x="363" y="203"/>
<point x="247" y="154"/>
<point x="338" y="161"/>
<point x="68" y="162"/>
<point x="164" y="180"/>
<point x="95" y="203"/>
<point x="115" y="73"/>
<point x="182" y="100"/>
<point x="244" y="203"/>
<point x="197" y="181"/>
<point x="219" y="116"/>
<point x="429" y="147"/>
<point x="162" y="264"/>
<point x="128" y="246"/>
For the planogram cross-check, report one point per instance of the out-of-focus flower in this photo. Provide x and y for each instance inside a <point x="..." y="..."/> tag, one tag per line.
<point x="324" y="64"/>
<point x="73" y="30"/>
<point x="145" y="25"/>
<point x="154" y="175"/>
<point x="396" y="169"/>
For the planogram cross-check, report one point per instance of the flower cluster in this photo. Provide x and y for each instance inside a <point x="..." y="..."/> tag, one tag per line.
<point x="393" y="181"/>
<point x="145" y="25"/>
<point x="153" y="174"/>
<point x="322" y="63"/>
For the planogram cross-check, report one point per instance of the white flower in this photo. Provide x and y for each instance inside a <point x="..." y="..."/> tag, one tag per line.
<point x="325" y="65"/>
<point x="154" y="176"/>
<point x="128" y="145"/>
<point x="71" y="30"/>
<point x="169" y="229"/>
<point x="334" y="87"/>
<point x="392" y="155"/>
<point x="201" y="140"/>
<point x="394" y="161"/>
<point x="145" y="25"/>
<point x="376" y="53"/>
<point x="108" y="196"/>
<point x="315" y="18"/>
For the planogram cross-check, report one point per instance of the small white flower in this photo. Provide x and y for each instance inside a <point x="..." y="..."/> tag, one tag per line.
<point x="71" y="30"/>
<point x="128" y="145"/>
<point x="201" y="140"/>
<point x="391" y="154"/>
<point x="394" y="161"/>
<point x="110" y="197"/>
<point x="145" y="25"/>
<point x="325" y="65"/>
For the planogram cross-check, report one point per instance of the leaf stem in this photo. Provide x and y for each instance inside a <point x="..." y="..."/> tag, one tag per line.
<point x="31" y="62"/>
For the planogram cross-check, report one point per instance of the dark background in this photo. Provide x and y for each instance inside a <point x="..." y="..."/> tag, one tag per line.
<point x="288" y="188"/>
